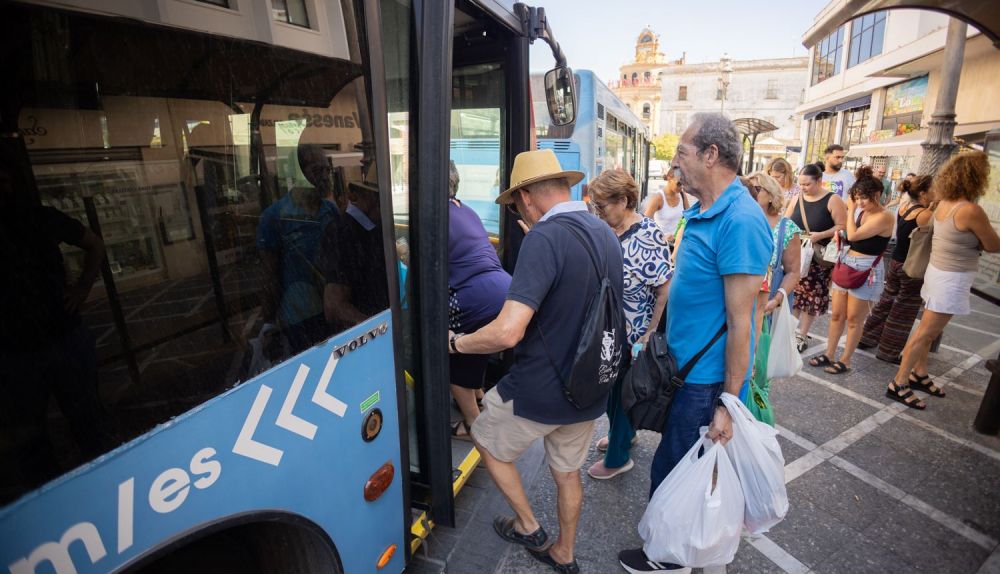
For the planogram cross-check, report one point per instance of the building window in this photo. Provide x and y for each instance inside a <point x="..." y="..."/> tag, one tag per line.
<point x="827" y="56"/>
<point x="635" y="77"/>
<point x="290" y="12"/>
<point x="682" y="93"/>
<point x="646" y="76"/>
<point x="856" y="125"/>
<point x="820" y="135"/>
<point x="772" y="90"/>
<point x="867" y="34"/>
<point x="645" y="111"/>
<point x="219" y="3"/>
<point x="718" y="94"/>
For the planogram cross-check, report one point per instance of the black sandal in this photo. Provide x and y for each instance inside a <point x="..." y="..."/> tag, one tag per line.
<point x="467" y="435"/>
<point x="543" y="556"/>
<point x="903" y="394"/>
<point x="925" y="384"/>
<point x="504" y="527"/>
<point x="837" y="368"/>
<point x="820" y="361"/>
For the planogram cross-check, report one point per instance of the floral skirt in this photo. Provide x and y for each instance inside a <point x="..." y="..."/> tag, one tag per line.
<point x="812" y="294"/>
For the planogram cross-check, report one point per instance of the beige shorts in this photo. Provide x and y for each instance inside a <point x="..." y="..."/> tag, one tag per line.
<point x="506" y="435"/>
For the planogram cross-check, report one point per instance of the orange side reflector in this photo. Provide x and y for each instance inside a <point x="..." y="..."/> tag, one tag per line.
<point x="379" y="481"/>
<point x="386" y="556"/>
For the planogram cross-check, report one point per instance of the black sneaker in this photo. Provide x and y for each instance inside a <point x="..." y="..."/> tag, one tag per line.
<point x="636" y="561"/>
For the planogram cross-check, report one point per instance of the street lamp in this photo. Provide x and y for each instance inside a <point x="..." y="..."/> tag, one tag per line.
<point x="725" y="75"/>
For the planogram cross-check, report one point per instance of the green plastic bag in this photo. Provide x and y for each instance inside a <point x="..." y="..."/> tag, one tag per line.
<point x="757" y="399"/>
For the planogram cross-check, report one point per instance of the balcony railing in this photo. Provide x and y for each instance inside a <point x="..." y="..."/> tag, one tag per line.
<point x="637" y="83"/>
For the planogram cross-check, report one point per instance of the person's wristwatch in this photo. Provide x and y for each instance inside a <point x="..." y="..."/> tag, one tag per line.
<point x="451" y="342"/>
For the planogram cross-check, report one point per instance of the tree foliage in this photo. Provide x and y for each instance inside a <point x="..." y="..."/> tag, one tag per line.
<point x="666" y="146"/>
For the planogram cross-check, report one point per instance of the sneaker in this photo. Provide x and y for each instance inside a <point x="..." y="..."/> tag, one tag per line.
<point x="602" y="444"/>
<point x="636" y="561"/>
<point x="601" y="472"/>
<point x="802" y="343"/>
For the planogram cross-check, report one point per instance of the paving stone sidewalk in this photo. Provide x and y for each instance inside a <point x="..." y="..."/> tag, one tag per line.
<point x="873" y="486"/>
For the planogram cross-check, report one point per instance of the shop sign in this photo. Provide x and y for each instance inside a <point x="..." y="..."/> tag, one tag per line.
<point x="906" y="98"/>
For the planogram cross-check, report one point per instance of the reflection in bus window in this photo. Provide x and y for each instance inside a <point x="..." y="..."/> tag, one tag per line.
<point x="233" y="197"/>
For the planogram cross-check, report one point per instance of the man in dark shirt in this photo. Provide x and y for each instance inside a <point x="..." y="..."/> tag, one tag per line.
<point x="45" y="349"/>
<point x="352" y="261"/>
<point x="552" y="281"/>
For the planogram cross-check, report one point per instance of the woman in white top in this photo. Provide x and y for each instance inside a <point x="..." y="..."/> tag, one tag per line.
<point x="783" y="173"/>
<point x="961" y="231"/>
<point x="666" y="206"/>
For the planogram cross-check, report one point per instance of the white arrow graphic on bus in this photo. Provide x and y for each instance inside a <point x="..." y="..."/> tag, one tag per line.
<point x="250" y="448"/>
<point x="321" y="397"/>
<point x="286" y="419"/>
<point x="245" y="444"/>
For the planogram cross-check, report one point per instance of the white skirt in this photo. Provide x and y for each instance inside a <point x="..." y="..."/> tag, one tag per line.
<point x="947" y="291"/>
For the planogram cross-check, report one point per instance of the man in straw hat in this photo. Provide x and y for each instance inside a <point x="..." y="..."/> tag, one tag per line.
<point x="552" y="282"/>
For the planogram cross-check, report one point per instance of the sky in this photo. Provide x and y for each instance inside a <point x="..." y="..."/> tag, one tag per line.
<point x="600" y="35"/>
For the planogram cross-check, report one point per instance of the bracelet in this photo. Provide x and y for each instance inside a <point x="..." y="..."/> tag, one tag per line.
<point x="452" y="340"/>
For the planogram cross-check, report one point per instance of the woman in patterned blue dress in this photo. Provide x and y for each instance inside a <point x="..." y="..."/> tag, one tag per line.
<point x="647" y="269"/>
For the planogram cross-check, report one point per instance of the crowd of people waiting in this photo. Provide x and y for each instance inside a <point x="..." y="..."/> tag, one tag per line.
<point x="712" y="248"/>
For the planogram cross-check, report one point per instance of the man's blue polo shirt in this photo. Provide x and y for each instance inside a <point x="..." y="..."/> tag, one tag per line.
<point x="731" y="237"/>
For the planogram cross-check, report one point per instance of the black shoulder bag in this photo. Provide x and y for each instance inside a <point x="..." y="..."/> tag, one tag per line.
<point x="649" y="385"/>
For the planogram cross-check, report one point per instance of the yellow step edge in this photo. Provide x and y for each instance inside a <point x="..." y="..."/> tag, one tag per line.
<point x="422" y="526"/>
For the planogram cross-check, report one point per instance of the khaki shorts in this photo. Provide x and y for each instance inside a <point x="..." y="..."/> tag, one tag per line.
<point x="506" y="435"/>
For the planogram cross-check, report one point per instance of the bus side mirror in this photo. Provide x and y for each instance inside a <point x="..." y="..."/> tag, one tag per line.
<point x="560" y="95"/>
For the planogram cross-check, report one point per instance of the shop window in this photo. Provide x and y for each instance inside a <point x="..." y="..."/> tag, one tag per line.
<point x="290" y="12"/>
<point x="827" y="56"/>
<point x="867" y="35"/>
<point x="856" y="125"/>
<point x="821" y="131"/>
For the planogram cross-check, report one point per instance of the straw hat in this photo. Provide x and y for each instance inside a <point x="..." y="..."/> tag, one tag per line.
<point x="535" y="166"/>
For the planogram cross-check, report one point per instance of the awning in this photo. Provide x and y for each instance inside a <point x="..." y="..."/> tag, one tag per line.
<point x="855" y="103"/>
<point x="812" y="115"/>
<point x="909" y="144"/>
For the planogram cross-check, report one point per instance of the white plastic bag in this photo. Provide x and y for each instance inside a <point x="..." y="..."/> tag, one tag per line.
<point x="807" y="256"/>
<point x="783" y="358"/>
<point x="687" y="522"/>
<point x="756" y="456"/>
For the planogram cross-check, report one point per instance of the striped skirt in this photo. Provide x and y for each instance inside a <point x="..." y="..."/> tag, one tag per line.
<point x="888" y="326"/>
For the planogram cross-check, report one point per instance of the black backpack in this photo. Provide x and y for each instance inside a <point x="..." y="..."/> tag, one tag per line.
<point x="598" y="356"/>
<point x="649" y="385"/>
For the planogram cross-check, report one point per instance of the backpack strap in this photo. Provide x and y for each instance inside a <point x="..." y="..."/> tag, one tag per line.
<point x="686" y="369"/>
<point x="600" y="276"/>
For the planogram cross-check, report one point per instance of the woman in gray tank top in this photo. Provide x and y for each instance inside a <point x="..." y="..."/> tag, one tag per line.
<point x="961" y="231"/>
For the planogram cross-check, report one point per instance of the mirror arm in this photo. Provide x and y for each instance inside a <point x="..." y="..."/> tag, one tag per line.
<point x="536" y="25"/>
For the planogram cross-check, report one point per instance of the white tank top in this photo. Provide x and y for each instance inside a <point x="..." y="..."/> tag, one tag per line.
<point x="667" y="217"/>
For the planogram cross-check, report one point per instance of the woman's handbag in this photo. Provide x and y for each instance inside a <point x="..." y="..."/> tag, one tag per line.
<point x="919" y="253"/>
<point x="848" y="277"/>
<point x="819" y="253"/>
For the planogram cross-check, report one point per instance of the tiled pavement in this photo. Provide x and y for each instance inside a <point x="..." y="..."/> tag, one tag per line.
<point x="873" y="487"/>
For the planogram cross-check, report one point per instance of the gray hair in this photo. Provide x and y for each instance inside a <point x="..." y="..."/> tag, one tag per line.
<point x="718" y="130"/>
<point x="452" y="178"/>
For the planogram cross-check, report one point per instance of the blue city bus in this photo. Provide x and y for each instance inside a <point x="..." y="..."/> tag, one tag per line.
<point x="606" y="135"/>
<point x="223" y="346"/>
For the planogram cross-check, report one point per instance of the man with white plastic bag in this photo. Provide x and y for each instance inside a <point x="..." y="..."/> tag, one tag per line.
<point x="720" y="265"/>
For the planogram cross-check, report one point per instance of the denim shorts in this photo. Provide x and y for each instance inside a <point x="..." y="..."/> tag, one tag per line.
<point x="872" y="288"/>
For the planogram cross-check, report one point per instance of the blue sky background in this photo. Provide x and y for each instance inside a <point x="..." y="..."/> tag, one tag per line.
<point x="600" y="35"/>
